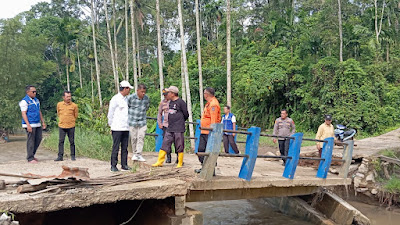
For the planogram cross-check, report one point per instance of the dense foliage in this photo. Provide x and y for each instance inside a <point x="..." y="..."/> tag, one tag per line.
<point x="285" y="54"/>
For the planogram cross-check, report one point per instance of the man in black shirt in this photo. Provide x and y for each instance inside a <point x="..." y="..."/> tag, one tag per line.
<point x="177" y="115"/>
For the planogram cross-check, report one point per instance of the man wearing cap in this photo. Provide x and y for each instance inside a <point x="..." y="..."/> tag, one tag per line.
<point x="211" y="114"/>
<point x="325" y="130"/>
<point x="31" y="117"/>
<point x="138" y="104"/>
<point x="177" y="115"/>
<point x="118" y="121"/>
<point x="284" y="126"/>
<point x="162" y="118"/>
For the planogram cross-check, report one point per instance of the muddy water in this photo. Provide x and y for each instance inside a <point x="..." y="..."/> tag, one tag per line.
<point x="242" y="212"/>
<point x="378" y="215"/>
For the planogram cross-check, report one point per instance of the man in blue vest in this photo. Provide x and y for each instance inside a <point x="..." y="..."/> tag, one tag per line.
<point x="31" y="118"/>
<point x="229" y="121"/>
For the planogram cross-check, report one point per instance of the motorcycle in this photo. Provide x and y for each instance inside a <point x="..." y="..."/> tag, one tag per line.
<point x="342" y="134"/>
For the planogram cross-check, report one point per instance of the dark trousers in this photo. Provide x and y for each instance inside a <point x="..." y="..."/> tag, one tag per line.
<point x="230" y="140"/>
<point x="33" y="142"/>
<point x="120" y="138"/>
<point x="202" y="145"/>
<point x="71" y="137"/>
<point x="284" y="147"/>
<point x="173" y="137"/>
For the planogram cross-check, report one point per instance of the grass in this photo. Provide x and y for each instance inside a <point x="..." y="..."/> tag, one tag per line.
<point x="393" y="185"/>
<point x="91" y="144"/>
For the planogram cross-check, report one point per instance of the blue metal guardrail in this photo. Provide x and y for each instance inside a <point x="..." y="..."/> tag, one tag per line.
<point x="251" y="152"/>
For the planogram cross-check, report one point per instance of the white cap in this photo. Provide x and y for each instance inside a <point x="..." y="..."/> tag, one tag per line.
<point x="125" y="83"/>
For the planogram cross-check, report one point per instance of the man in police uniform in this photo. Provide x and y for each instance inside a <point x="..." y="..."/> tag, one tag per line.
<point x="284" y="126"/>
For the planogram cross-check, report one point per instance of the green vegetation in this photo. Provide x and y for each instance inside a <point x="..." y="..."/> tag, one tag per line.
<point x="285" y="54"/>
<point x="393" y="185"/>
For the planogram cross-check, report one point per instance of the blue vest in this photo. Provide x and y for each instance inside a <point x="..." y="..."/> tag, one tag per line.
<point x="228" y="125"/>
<point x="33" y="112"/>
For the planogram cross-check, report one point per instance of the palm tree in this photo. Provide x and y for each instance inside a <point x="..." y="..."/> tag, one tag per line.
<point x="115" y="43"/>
<point x="185" y="68"/>
<point x="199" y="56"/>
<point x="159" y="49"/>
<point x="228" y="53"/>
<point x="340" y="32"/>
<point x="135" y="82"/>
<point x="126" y="41"/>
<point x="79" y="64"/>
<point x="111" y="47"/>
<point x="95" y="54"/>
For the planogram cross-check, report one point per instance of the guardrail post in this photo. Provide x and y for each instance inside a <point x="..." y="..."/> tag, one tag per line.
<point x="347" y="157"/>
<point x="213" y="147"/>
<point x="230" y="148"/>
<point x="294" y="152"/>
<point x="324" y="165"/>
<point x="159" y="138"/>
<point x="197" y="136"/>
<point x="252" y="141"/>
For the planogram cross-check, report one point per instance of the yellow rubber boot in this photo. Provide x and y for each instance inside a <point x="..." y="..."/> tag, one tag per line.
<point x="161" y="158"/>
<point x="180" y="160"/>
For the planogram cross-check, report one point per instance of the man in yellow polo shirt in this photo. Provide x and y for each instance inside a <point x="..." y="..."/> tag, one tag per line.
<point x="67" y="112"/>
<point x="325" y="130"/>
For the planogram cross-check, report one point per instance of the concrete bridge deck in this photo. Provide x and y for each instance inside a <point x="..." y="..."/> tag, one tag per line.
<point x="267" y="181"/>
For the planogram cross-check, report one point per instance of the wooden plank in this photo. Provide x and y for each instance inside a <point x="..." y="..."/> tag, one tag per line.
<point x="389" y="159"/>
<point x="30" y="188"/>
<point x="213" y="147"/>
<point x="347" y="157"/>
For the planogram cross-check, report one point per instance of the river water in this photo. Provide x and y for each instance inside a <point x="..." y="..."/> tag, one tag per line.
<point x="248" y="212"/>
<point x="242" y="212"/>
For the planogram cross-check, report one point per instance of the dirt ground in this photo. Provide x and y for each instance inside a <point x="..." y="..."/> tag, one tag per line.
<point x="13" y="154"/>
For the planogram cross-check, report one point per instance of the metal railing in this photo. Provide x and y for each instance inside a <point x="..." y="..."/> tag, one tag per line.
<point x="251" y="151"/>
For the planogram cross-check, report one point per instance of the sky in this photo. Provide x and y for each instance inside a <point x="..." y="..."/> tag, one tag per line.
<point x="11" y="8"/>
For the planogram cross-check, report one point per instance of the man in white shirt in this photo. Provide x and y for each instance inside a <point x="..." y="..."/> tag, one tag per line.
<point x="118" y="121"/>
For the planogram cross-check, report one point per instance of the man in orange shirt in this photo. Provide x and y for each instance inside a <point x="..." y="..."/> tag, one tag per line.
<point x="67" y="112"/>
<point x="211" y="114"/>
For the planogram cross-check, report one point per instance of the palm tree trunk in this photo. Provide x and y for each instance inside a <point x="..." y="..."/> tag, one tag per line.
<point x="340" y="31"/>
<point x="79" y="64"/>
<point x="199" y="56"/>
<point x="111" y="47"/>
<point x="91" y="80"/>
<point x="185" y="68"/>
<point x="115" y="44"/>
<point x="126" y="42"/>
<point x="138" y="54"/>
<point x="228" y="53"/>
<point x="159" y="49"/>
<point x="183" y="80"/>
<point x="95" y="55"/>
<point x="133" y="47"/>
<point x="67" y="67"/>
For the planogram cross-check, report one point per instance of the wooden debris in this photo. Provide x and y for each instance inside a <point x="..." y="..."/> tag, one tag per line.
<point x="30" y="188"/>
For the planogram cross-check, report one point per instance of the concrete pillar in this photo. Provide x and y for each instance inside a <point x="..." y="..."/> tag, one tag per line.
<point x="191" y="217"/>
<point x="180" y="205"/>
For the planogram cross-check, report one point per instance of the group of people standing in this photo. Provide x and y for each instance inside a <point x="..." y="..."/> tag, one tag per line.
<point x="127" y="118"/>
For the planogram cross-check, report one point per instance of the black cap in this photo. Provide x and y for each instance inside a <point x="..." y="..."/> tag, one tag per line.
<point x="164" y="92"/>
<point x="328" y="117"/>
